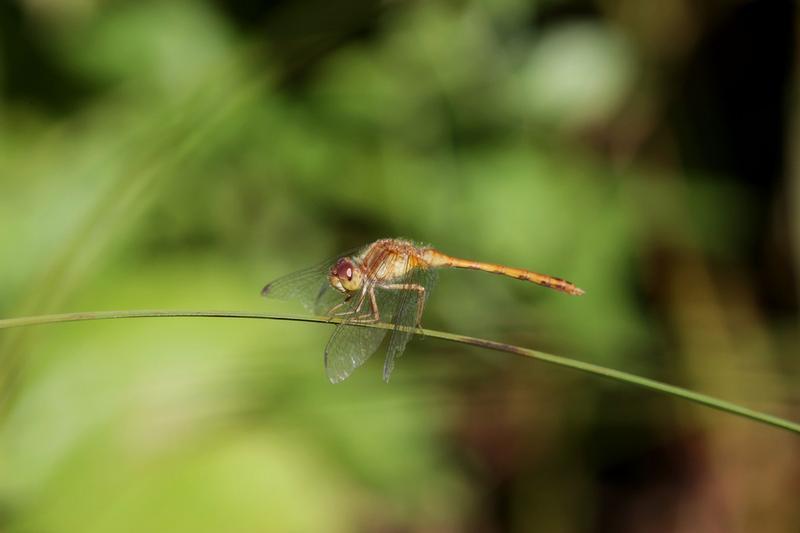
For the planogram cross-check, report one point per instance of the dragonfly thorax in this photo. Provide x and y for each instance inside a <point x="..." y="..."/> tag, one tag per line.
<point x="345" y="276"/>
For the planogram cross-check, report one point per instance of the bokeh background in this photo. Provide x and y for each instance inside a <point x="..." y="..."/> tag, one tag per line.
<point x="180" y="154"/>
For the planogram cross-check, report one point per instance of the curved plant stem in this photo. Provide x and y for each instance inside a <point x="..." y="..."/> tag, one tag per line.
<point x="597" y="370"/>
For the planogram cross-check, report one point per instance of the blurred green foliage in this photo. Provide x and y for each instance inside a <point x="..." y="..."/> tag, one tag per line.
<point x="196" y="166"/>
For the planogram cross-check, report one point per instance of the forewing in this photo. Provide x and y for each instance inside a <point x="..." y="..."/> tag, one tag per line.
<point x="310" y="287"/>
<point x="407" y="306"/>
<point x="352" y="343"/>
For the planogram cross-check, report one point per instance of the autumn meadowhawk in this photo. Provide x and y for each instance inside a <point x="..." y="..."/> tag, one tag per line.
<point x="387" y="281"/>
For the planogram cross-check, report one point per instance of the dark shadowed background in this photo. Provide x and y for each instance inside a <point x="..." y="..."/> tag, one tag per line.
<point x="181" y="154"/>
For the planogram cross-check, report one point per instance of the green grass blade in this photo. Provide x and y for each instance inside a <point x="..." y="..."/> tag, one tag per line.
<point x="597" y="370"/>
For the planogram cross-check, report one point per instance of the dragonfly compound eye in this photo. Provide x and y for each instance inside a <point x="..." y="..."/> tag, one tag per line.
<point x="344" y="269"/>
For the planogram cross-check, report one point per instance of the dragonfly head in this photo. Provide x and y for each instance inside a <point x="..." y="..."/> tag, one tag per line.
<point x="345" y="276"/>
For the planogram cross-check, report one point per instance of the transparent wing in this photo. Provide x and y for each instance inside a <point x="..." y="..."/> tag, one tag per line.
<point x="408" y="296"/>
<point x="352" y="343"/>
<point x="349" y="347"/>
<point x="310" y="287"/>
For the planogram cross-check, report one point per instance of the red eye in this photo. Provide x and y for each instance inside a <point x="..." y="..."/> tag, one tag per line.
<point x="344" y="269"/>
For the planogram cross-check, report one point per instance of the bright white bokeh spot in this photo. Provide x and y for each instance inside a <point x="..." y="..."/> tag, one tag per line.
<point x="577" y="74"/>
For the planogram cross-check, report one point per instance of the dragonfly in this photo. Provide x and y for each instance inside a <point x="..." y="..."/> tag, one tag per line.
<point x="387" y="281"/>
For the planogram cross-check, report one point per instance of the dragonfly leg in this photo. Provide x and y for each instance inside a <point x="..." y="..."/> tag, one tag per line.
<point x="332" y="313"/>
<point x="375" y="315"/>
<point x="368" y="318"/>
<point x="412" y="287"/>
